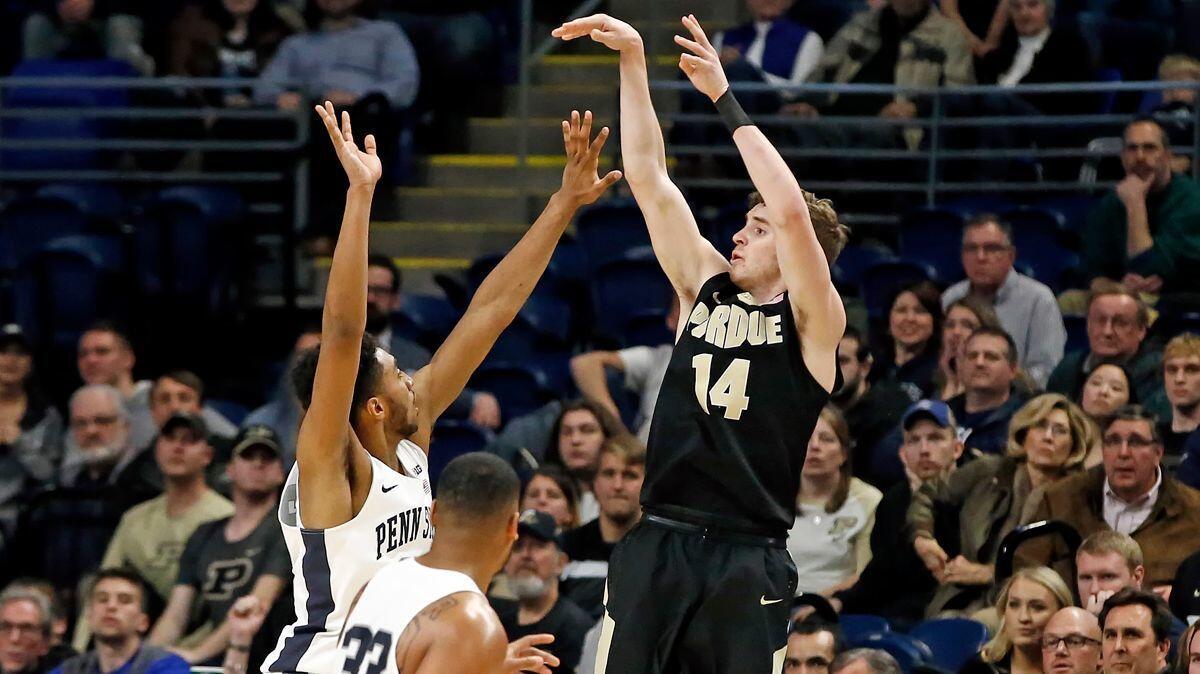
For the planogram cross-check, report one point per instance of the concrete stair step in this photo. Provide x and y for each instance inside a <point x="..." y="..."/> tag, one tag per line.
<point x="418" y="274"/>
<point x="593" y="69"/>
<point x="635" y="11"/>
<point x="542" y="175"/>
<point x="436" y="240"/>
<point x="560" y="99"/>
<point x="465" y="204"/>
<point x="501" y="135"/>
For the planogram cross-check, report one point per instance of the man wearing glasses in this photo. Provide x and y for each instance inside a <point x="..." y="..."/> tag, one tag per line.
<point x="1129" y="494"/>
<point x="1071" y="643"/>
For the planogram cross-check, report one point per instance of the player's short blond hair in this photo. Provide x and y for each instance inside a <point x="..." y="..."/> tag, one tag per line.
<point x="1178" y="67"/>
<point x="831" y="234"/>
<point x="1182" y="346"/>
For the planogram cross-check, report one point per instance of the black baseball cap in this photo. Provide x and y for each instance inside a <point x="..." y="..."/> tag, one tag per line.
<point x="12" y="333"/>
<point x="256" y="435"/>
<point x="189" y="420"/>
<point x="540" y="525"/>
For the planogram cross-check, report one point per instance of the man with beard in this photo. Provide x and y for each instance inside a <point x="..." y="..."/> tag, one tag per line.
<point x="226" y="559"/>
<point x="617" y="484"/>
<point x="536" y="563"/>
<point x="98" y="448"/>
<point x="1145" y="233"/>
<point x="118" y="617"/>
<point x="872" y="410"/>
<point x="384" y="298"/>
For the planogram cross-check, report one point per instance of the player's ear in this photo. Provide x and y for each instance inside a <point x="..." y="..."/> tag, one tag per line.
<point x="511" y="529"/>
<point x="375" y="406"/>
<point x="433" y="514"/>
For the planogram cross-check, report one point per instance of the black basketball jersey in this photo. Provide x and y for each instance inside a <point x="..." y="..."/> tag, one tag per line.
<point x="733" y="417"/>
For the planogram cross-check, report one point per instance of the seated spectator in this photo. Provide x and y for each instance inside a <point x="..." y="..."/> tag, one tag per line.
<point x="283" y="412"/>
<point x="1025" y="604"/>
<point x="865" y="661"/>
<point x="914" y="326"/>
<point x="1129" y="494"/>
<point x="575" y="440"/>
<point x="1181" y="380"/>
<point x="118" y="617"/>
<point x="835" y="512"/>
<point x="1176" y="114"/>
<point x="535" y="565"/>
<point x="781" y="51"/>
<point x="552" y="491"/>
<point x="229" y="39"/>
<point x="1135" y="625"/>
<point x="812" y="646"/>
<point x="1026" y="308"/>
<point x="30" y="428"/>
<point x="908" y="43"/>
<point x="1106" y="390"/>
<point x="25" y="639"/>
<point x="1041" y="52"/>
<point x="1048" y="440"/>
<point x="1185" y="592"/>
<point x="982" y="23"/>
<point x="152" y="535"/>
<point x="106" y="356"/>
<point x="84" y="30"/>
<point x="384" y="298"/>
<point x="929" y="452"/>
<point x="1189" y="651"/>
<point x="989" y="398"/>
<point x="643" y="367"/>
<point x="963" y="317"/>
<point x="226" y="559"/>
<point x="374" y="78"/>
<point x="56" y="640"/>
<point x="1117" y="321"/>
<point x="1071" y="642"/>
<point x="1106" y="562"/>
<point x="871" y="410"/>
<point x="618" y="486"/>
<point x="1145" y="232"/>
<point x="99" y="448"/>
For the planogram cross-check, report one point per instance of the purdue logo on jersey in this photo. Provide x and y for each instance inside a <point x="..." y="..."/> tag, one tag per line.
<point x="401" y="529"/>
<point x="729" y="326"/>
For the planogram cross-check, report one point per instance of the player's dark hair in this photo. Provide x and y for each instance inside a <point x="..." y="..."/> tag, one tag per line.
<point x="304" y="372"/>
<point x="1160" y="615"/>
<point x="477" y="486"/>
<point x="131" y="576"/>
<point x="186" y="377"/>
<point x="815" y="625"/>
<point x="390" y="265"/>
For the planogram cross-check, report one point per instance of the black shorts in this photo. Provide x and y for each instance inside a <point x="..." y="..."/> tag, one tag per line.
<point x="684" y="603"/>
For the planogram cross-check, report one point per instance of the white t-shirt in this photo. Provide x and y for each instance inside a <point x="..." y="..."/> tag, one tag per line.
<point x="828" y="548"/>
<point x="645" y="367"/>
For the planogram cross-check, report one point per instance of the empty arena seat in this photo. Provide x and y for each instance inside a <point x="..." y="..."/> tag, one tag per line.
<point x="934" y="236"/>
<point x="67" y="285"/>
<point x="425" y="319"/>
<point x="519" y="387"/>
<point x="608" y="230"/>
<point x="451" y="439"/>
<point x="856" y="626"/>
<point x="232" y="410"/>
<point x="883" y="278"/>
<point x="27" y="224"/>
<point x="952" y="641"/>
<point x="625" y="288"/>
<point x="849" y="267"/>
<point x="90" y="198"/>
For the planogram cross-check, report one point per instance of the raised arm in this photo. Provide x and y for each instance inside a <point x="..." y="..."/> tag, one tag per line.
<point x="325" y="445"/>
<point x="802" y="261"/>
<point x="506" y="288"/>
<point x="687" y="258"/>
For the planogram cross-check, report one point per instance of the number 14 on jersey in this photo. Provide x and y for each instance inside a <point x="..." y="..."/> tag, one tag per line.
<point x="730" y="389"/>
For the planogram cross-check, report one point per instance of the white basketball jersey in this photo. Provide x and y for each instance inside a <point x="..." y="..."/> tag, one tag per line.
<point x="331" y="565"/>
<point x="388" y="604"/>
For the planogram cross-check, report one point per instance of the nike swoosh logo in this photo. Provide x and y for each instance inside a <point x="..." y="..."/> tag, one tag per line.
<point x="767" y="602"/>
<point x="387" y="489"/>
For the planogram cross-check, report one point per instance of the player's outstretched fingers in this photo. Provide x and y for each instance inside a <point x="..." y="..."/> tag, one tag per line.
<point x="579" y="27"/>
<point x="609" y="180"/>
<point x="598" y="144"/>
<point x="566" y="130"/>
<point x="346" y="132"/>
<point x="574" y="133"/>
<point x="697" y="32"/>
<point x="691" y="45"/>
<point x="330" y="119"/>
<point x="585" y="133"/>
<point x="369" y="143"/>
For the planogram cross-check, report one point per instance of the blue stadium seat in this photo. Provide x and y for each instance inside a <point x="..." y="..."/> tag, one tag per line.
<point x="425" y="319"/>
<point x="1077" y="339"/>
<point x="179" y="232"/>
<point x="28" y="224"/>
<point x="608" y="230"/>
<point x="952" y="641"/>
<point x="856" y="626"/>
<point x="1172" y="323"/>
<point x="66" y="286"/>
<point x="232" y="410"/>
<point x="648" y="328"/>
<point x="974" y="204"/>
<point x="881" y="280"/>
<point x="934" y="235"/>
<point x="627" y="288"/>
<point x="1038" y="236"/>
<point x="549" y="315"/>
<point x="520" y="388"/>
<point x="1107" y="99"/>
<point x="90" y="198"/>
<point x="451" y="439"/>
<point x="910" y="653"/>
<point x="853" y="262"/>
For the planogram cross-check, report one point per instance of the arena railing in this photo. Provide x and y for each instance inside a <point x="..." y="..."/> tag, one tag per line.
<point x="930" y="170"/>
<point x="135" y="135"/>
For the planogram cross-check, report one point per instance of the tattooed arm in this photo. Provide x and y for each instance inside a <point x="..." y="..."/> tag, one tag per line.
<point x="458" y="633"/>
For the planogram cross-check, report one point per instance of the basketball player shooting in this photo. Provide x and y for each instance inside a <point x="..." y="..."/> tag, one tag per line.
<point x="359" y="494"/>
<point x="703" y="582"/>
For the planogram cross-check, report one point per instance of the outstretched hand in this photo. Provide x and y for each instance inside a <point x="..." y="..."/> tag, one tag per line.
<point x="362" y="167"/>
<point x="581" y="183"/>
<point x="703" y="65"/>
<point x="612" y="33"/>
<point x="525" y="656"/>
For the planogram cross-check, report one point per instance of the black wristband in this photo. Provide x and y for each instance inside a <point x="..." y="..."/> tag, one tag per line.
<point x="731" y="112"/>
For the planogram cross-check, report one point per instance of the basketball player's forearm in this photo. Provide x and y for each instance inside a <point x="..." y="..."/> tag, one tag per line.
<point x="345" y="310"/>
<point x="643" y="152"/>
<point x="771" y="176"/>
<point x="505" y="290"/>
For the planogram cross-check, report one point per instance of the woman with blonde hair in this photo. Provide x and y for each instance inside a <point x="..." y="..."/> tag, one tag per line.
<point x="1048" y="439"/>
<point x="830" y="541"/>
<point x="1025" y="605"/>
